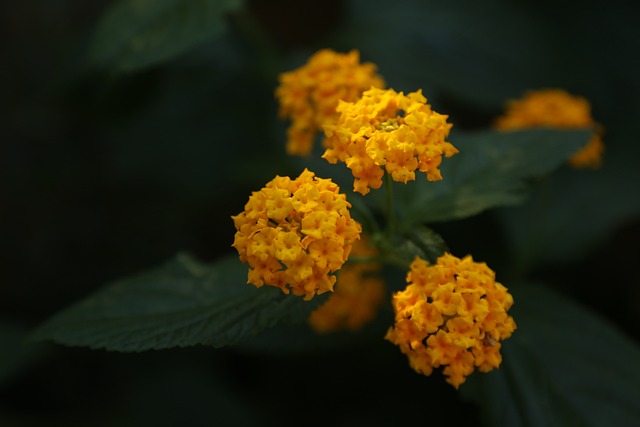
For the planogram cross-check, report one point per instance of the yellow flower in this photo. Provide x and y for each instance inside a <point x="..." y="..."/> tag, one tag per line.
<point x="358" y="295"/>
<point x="557" y="109"/>
<point x="453" y="315"/>
<point x="295" y="234"/>
<point x="390" y="130"/>
<point x="309" y="95"/>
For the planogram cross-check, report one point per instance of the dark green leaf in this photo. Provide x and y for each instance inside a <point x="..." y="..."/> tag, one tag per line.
<point x="430" y="243"/>
<point x="564" y="366"/>
<point x="482" y="54"/>
<point x="183" y="303"/>
<point x="137" y="33"/>
<point x="492" y="169"/>
<point x="574" y="211"/>
<point x="419" y="241"/>
<point x="467" y="54"/>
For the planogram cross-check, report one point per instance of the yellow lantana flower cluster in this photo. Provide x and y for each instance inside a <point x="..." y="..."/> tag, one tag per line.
<point x="359" y="292"/>
<point x="309" y="95"/>
<point x="387" y="130"/>
<point x="295" y="233"/>
<point x="452" y="314"/>
<point x="555" y="108"/>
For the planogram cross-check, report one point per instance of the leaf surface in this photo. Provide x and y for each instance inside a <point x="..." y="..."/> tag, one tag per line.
<point x="133" y="34"/>
<point x="492" y="169"/>
<point x="182" y="303"/>
<point x="563" y="366"/>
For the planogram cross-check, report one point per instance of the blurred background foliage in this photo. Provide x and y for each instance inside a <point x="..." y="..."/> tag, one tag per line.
<point x="112" y="162"/>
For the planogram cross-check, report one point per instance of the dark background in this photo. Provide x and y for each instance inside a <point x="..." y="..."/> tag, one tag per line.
<point x="105" y="175"/>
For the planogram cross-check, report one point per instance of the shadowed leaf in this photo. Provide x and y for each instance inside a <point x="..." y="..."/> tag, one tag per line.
<point x="134" y="34"/>
<point x="492" y="169"/>
<point x="182" y="303"/>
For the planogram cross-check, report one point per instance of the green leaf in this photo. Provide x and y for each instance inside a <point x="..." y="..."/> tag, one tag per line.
<point x="501" y="43"/>
<point x="509" y="48"/>
<point x="492" y="169"/>
<point x="182" y="303"/>
<point x="419" y="241"/>
<point x="564" y="366"/>
<point x="430" y="243"/>
<point x="574" y="211"/>
<point x="138" y="33"/>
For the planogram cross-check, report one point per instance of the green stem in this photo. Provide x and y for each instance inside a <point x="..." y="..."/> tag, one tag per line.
<point x="391" y="218"/>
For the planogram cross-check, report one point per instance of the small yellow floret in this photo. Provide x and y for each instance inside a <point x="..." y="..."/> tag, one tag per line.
<point x="557" y="109"/>
<point x="388" y="131"/>
<point x="309" y="95"/>
<point x="453" y="315"/>
<point x="359" y="291"/>
<point x="295" y="234"/>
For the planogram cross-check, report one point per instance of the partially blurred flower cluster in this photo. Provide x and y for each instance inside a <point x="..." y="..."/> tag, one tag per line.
<point x="388" y="131"/>
<point x="309" y="95"/>
<point x="359" y="291"/>
<point x="556" y="108"/>
<point x="452" y="314"/>
<point x="295" y="233"/>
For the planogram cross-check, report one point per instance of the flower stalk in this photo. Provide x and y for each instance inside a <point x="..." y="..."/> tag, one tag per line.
<point x="391" y="216"/>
